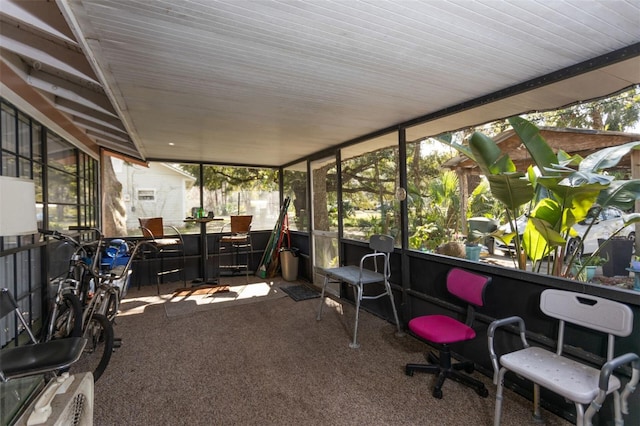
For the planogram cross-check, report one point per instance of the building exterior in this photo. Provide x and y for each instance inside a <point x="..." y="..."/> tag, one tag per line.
<point x="141" y="189"/>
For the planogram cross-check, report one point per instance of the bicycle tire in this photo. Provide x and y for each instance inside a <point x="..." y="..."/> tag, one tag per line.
<point x="68" y="322"/>
<point x="97" y="353"/>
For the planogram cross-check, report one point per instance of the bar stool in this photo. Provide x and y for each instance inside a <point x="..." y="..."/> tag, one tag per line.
<point x="237" y="244"/>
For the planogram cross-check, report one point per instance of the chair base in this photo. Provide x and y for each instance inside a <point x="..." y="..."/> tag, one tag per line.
<point x="359" y="297"/>
<point x="443" y="369"/>
<point x="155" y="266"/>
<point x="236" y="252"/>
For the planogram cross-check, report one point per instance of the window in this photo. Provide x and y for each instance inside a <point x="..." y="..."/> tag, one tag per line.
<point x="146" y="194"/>
<point x="295" y="187"/>
<point x="69" y="197"/>
<point x="370" y="176"/>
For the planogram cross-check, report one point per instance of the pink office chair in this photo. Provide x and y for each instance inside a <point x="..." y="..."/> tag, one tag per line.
<point x="442" y="331"/>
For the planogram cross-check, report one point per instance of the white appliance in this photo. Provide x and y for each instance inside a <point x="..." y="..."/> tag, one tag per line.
<point x="65" y="400"/>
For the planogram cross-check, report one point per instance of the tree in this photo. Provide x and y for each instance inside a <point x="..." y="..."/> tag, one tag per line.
<point x="114" y="218"/>
<point x="615" y="113"/>
<point x="221" y="181"/>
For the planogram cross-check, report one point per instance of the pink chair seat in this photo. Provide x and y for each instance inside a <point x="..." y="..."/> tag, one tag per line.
<point x="441" y="329"/>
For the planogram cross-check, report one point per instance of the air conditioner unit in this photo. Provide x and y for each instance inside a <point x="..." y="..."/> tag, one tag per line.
<point x="65" y="400"/>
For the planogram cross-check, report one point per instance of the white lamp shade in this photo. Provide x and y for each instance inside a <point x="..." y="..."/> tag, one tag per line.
<point x="17" y="206"/>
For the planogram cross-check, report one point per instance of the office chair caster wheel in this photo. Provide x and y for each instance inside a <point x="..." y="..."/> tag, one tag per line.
<point x="469" y="368"/>
<point x="408" y="371"/>
<point x="483" y="392"/>
<point x="437" y="393"/>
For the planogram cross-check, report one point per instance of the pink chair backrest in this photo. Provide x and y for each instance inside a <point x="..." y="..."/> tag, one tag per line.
<point x="467" y="285"/>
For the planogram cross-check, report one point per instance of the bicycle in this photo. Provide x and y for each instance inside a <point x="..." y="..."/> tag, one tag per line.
<point x="95" y="327"/>
<point x="100" y="287"/>
<point x="64" y="317"/>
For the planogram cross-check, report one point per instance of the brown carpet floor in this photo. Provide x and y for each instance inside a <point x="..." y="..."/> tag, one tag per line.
<point x="267" y="361"/>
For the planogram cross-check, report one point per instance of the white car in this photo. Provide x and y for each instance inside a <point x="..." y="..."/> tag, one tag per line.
<point x="609" y="220"/>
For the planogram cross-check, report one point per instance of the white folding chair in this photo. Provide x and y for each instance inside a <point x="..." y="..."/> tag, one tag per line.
<point x="577" y="382"/>
<point x="359" y="276"/>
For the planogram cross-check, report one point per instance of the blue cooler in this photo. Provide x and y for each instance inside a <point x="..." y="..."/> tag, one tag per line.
<point x="115" y="254"/>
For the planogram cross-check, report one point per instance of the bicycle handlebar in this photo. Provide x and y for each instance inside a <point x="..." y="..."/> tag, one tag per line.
<point x="87" y="228"/>
<point x="49" y="232"/>
<point x="94" y="266"/>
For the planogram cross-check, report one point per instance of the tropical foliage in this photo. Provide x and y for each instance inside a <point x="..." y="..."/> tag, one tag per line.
<point x="559" y="188"/>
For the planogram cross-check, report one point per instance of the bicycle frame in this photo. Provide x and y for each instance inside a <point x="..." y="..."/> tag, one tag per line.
<point x="62" y="289"/>
<point x="104" y="283"/>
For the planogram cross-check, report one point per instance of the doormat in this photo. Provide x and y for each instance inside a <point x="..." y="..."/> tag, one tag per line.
<point x="201" y="290"/>
<point x="300" y="292"/>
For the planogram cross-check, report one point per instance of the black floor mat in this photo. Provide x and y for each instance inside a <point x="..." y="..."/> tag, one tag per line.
<point x="300" y="292"/>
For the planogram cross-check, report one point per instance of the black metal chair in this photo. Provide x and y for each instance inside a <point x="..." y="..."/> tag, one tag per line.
<point x="165" y="245"/>
<point x="238" y="244"/>
<point x="35" y="357"/>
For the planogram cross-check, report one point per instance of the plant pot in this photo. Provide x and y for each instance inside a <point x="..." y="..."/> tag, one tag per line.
<point x="618" y="251"/>
<point x="591" y="272"/>
<point x="472" y="253"/>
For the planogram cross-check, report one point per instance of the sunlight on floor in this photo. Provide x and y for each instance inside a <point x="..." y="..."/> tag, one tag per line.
<point x="247" y="291"/>
<point x="335" y="305"/>
<point x="237" y="293"/>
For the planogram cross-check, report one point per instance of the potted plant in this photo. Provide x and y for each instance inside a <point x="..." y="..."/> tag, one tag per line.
<point x="472" y="246"/>
<point x="584" y="269"/>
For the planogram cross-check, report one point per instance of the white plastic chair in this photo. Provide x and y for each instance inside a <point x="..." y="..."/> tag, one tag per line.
<point x="577" y="382"/>
<point x="359" y="276"/>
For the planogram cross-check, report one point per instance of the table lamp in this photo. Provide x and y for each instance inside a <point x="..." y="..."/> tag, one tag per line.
<point x="17" y="207"/>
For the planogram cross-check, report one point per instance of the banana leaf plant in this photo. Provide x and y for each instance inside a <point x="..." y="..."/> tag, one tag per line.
<point x="508" y="185"/>
<point x="560" y="187"/>
<point x="571" y="192"/>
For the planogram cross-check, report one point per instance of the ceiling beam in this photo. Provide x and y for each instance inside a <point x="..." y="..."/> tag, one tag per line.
<point x="74" y="92"/>
<point x="56" y="120"/>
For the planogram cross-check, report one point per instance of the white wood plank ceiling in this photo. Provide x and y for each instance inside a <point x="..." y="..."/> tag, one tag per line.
<point x="267" y="82"/>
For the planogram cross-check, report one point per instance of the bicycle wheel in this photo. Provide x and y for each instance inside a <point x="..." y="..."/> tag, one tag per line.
<point x="68" y="321"/>
<point x="97" y="353"/>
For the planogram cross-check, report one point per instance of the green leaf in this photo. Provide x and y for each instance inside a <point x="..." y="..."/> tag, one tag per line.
<point x="511" y="189"/>
<point x="607" y="157"/>
<point x="540" y="151"/>
<point x="631" y="219"/>
<point x="563" y="190"/>
<point x="541" y="235"/>
<point x="488" y="155"/>
<point x="580" y="178"/>
<point x="620" y="193"/>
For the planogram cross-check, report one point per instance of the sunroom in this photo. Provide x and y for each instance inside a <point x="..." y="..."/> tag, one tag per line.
<point x="119" y="110"/>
